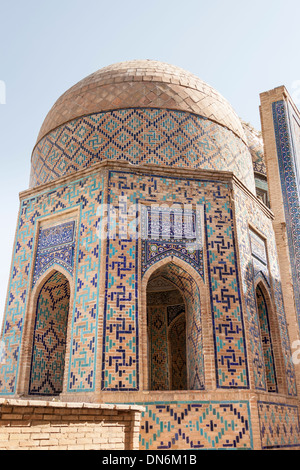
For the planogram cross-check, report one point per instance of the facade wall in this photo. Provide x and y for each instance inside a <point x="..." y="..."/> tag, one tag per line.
<point x="231" y="425"/>
<point x="223" y="295"/>
<point x="80" y="201"/>
<point x="106" y="350"/>
<point x="280" y="125"/>
<point x="259" y="261"/>
<point x="287" y="134"/>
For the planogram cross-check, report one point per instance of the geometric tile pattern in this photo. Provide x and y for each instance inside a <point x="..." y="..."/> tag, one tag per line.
<point x="49" y="340"/>
<point x="196" y="426"/>
<point x="248" y="213"/>
<point x="140" y="136"/>
<point x="55" y="245"/>
<point x="266" y="341"/>
<point x="120" y="353"/>
<point x="84" y="194"/>
<point x="279" y="425"/>
<point x="287" y="133"/>
<point x="120" y="349"/>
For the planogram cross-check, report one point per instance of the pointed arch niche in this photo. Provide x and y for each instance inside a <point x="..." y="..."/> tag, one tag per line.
<point x="46" y="333"/>
<point x="270" y="338"/>
<point x="174" y="359"/>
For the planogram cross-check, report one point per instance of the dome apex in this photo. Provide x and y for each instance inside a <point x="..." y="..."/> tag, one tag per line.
<point x="145" y="84"/>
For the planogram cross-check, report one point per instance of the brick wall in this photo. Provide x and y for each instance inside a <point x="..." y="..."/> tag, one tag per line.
<point x="28" y="425"/>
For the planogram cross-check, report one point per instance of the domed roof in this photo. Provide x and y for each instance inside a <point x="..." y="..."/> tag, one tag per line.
<point x="145" y="84"/>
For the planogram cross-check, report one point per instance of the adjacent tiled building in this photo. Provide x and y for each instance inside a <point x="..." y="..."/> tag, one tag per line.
<point x="155" y="261"/>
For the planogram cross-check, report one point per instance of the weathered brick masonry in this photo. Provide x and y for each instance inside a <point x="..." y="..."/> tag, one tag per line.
<point x="41" y="425"/>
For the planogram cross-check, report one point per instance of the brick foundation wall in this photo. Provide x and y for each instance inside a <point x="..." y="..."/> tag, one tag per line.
<point x="41" y="425"/>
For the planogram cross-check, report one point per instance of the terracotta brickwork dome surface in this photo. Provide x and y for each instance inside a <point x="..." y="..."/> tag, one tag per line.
<point x="141" y="83"/>
<point x="141" y="112"/>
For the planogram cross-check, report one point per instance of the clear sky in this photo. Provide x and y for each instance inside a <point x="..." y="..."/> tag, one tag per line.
<point x="240" y="48"/>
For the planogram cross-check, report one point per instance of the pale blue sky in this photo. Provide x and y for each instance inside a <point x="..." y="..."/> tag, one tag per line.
<point x="240" y="48"/>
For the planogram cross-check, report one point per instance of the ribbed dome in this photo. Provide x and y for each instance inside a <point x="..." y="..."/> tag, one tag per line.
<point x="141" y="84"/>
<point x="141" y="112"/>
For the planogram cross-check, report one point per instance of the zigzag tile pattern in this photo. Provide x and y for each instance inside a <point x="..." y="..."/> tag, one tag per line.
<point x="141" y="136"/>
<point x="196" y="426"/>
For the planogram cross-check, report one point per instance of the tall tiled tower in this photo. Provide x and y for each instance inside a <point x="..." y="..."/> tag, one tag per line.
<point x="145" y="267"/>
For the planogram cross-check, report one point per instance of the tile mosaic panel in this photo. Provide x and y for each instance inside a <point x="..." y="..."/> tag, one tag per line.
<point x="85" y="194"/>
<point x="279" y="425"/>
<point x="196" y="426"/>
<point x="248" y="212"/>
<point x="172" y="230"/>
<point x="287" y="132"/>
<point x="55" y="245"/>
<point x="173" y="311"/>
<point x="141" y="136"/>
<point x="120" y="348"/>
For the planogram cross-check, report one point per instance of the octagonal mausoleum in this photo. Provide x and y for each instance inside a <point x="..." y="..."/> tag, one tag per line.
<point x="145" y="267"/>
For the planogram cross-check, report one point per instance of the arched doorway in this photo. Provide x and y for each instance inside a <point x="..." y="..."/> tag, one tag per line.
<point x="265" y="324"/>
<point x="49" y="337"/>
<point x="175" y="343"/>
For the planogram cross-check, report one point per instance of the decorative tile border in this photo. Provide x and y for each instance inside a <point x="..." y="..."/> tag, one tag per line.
<point x="279" y="425"/>
<point x="141" y="136"/>
<point x="196" y="425"/>
<point x="288" y="151"/>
